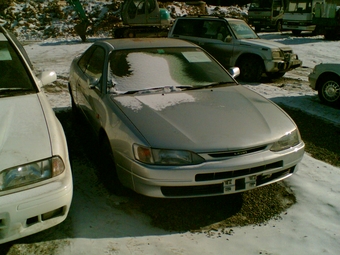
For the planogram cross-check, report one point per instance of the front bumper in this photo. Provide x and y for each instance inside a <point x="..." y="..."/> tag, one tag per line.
<point x="291" y="62"/>
<point x="312" y="78"/>
<point x="211" y="178"/>
<point x="30" y="211"/>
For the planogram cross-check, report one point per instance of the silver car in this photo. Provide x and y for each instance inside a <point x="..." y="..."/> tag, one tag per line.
<point x="176" y="124"/>
<point x="325" y="78"/>
<point x="35" y="174"/>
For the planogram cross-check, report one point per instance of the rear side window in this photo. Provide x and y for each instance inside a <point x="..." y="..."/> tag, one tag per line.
<point x="189" y="27"/>
<point x="213" y="29"/>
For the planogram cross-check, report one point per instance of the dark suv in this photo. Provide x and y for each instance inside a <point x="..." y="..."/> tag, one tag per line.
<point x="234" y="43"/>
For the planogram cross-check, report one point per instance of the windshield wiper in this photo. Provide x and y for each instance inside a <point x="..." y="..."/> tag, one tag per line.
<point x="165" y="88"/>
<point x="213" y="84"/>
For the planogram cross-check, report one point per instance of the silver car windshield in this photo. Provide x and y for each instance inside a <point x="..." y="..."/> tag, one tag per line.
<point x="182" y="68"/>
<point x="14" y="78"/>
<point x="242" y="30"/>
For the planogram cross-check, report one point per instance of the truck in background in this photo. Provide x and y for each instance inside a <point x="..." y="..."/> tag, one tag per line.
<point x="298" y="16"/>
<point x="266" y="14"/>
<point x="316" y="16"/>
<point x="327" y="20"/>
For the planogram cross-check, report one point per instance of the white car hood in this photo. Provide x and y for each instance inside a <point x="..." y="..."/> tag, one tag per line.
<point x="24" y="136"/>
<point x="207" y="119"/>
<point x="261" y="43"/>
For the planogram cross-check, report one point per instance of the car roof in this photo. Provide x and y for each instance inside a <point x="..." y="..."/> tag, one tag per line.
<point x="206" y="17"/>
<point x="135" y="43"/>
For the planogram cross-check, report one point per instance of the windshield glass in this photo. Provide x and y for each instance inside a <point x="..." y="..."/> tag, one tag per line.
<point x="242" y="30"/>
<point x="13" y="75"/>
<point x="259" y="4"/>
<point x="134" y="70"/>
<point x="299" y="6"/>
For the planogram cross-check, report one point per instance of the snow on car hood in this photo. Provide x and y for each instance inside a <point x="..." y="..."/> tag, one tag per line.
<point x="207" y="119"/>
<point x="24" y="136"/>
<point x="261" y="43"/>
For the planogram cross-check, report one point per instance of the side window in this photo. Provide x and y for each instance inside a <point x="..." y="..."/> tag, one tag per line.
<point x="189" y="27"/>
<point x="215" y="30"/>
<point x="95" y="66"/>
<point x="83" y="62"/>
<point x="151" y="6"/>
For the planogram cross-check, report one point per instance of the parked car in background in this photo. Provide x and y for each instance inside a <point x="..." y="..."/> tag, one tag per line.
<point x="174" y="123"/>
<point x="35" y="175"/>
<point x="325" y="78"/>
<point x="234" y="43"/>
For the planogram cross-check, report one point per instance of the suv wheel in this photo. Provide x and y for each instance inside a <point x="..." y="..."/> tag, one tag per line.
<point x="329" y="90"/>
<point x="276" y="75"/>
<point x="251" y="69"/>
<point x="279" y="26"/>
<point x="296" y="32"/>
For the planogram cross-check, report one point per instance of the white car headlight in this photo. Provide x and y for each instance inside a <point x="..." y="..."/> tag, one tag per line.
<point x="30" y="173"/>
<point x="165" y="157"/>
<point x="276" y="54"/>
<point x="290" y="139"/>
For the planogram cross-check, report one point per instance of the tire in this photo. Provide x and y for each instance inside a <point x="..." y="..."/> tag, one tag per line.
<point x="329" y="90"/>
<point x="296" y="32"/>
<point x="251" y="68"/>
<point x="107" y="168"/>
<point x="276" y="75"/>
<point x="75" y="110"/>
<point x="330" y="35"/>
<point x="129" y="33"/>
<point x="279" y="26"/>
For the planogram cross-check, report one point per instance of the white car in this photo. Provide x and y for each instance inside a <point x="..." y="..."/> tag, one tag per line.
<point x="35" y="174"/>
<point x="325" y="78"/>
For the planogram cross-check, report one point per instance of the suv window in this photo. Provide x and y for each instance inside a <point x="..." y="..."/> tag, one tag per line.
<point x="213" y="29"/>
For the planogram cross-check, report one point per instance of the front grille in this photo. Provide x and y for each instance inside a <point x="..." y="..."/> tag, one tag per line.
<point x="192" y="190"/>
<point x="236" y="173"/>
<point x="235" y="153"/>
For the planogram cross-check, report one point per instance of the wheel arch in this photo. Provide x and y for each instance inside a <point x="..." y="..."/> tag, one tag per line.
<point x="249" y="55"/>
<point x="324" y="76"/>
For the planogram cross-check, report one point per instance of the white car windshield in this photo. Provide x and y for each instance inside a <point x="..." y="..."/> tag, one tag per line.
<point x="134" y="70"/>
<point x="14" y="78"/>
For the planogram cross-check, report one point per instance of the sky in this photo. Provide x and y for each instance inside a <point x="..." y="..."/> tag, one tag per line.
<point x="310" y="226"/>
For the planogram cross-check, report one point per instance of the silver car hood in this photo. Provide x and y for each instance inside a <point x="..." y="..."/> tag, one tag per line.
<point x="207" y="119"/>
<point x="261" y="43"/>
<point x="24" y="135"/>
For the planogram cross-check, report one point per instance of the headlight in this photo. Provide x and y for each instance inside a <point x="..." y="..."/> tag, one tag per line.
<point x="287" y="141"/>
<point x="34" y="172"/>
<point x="276" y="54"/>
<point x="165" y="157"/>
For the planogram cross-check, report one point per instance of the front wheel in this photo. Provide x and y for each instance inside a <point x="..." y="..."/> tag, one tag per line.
<point x="276" y="75"/>
<point x="279" y="26"/>
<point x="251" y="69"/>
<point x="329" y="90"/>
<point x="296" y="32"/>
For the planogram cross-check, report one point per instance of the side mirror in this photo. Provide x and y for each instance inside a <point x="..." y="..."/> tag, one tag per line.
<point x="234" y="72"/>
<point x="228" y="39"/>
<point x="47" y="77"/>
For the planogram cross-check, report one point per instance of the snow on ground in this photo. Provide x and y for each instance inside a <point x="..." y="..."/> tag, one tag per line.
<point x="311" y="226"/>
